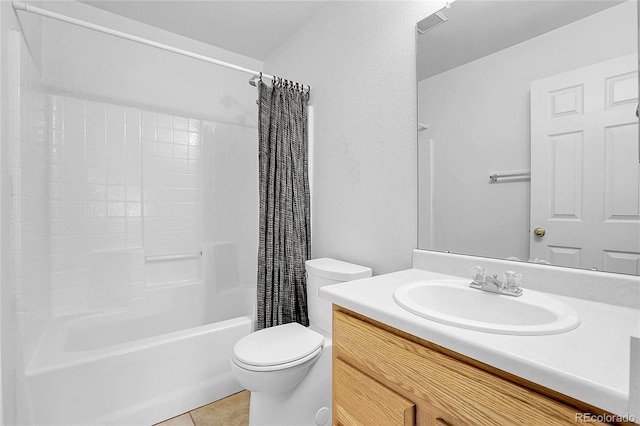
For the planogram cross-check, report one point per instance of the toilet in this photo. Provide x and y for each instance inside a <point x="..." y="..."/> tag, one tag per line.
<point x="287" y="368"/>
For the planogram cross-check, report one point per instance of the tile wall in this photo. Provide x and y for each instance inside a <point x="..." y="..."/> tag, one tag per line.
<point x="95" y="204"/>
<point x="231" y="203"/>
<point x="140" y="199"/>
<point x="98" y="188"/>
<point x="26" y="297"/>
<point x="28" y="106"/>
<point x="174" y="168"/>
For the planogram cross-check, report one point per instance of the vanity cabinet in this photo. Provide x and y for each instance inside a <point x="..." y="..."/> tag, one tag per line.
<point x="383" y="376"/>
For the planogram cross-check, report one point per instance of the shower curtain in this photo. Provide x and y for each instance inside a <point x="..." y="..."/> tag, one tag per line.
<point x="285" y="228"/>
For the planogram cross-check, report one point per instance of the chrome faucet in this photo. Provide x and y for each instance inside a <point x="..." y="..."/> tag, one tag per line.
<point x="485" y="282"/>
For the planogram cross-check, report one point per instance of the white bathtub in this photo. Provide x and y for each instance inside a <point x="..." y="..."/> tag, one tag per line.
<point x="155" y="360"/>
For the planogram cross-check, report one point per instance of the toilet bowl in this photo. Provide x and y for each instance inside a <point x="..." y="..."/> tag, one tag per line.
<point x="287" y="368"/>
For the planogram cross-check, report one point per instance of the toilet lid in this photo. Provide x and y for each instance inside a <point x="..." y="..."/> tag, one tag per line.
<point x="277" y="345"/>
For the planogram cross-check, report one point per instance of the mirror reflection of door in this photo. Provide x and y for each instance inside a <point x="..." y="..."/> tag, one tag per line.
<point x="585" y="169"/>
<point x="474" y="81"/>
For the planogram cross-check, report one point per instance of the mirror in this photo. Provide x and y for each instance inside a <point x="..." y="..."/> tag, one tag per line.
<point x="527" y="132"/>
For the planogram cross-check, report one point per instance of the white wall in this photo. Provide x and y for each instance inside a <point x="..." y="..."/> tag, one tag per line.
<point x="91" y="65"/>
<point x="359" y="58"/>
<point x="478" y="117"/>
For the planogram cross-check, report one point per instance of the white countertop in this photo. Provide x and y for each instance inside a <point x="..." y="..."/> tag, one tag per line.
<point x="589" y="363"/>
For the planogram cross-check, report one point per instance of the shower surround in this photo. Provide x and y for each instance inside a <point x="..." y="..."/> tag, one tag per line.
<point x="151" y="250"/>
<point x="141" y="199"/>
<point x="132" y="213"/>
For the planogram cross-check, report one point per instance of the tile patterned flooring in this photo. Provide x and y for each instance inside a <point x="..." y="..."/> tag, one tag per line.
<point x="230" y="411"/>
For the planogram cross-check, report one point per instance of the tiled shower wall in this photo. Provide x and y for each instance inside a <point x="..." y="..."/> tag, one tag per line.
<point x="140" y="199"/>
<point x="28" y="109"/>
<point x="95" y="204"/>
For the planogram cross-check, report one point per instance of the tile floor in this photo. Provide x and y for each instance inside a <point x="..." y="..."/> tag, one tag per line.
<point x="230" y="411"/>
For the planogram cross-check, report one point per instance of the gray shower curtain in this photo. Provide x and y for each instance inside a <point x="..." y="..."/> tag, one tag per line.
<point x="285" y="228"/>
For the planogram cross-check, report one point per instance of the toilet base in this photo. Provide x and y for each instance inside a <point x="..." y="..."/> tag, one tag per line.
<point x="308" y="401"/>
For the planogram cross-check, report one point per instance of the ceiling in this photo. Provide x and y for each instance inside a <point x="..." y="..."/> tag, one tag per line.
<point x="478" y="28"/>
<point x="256" y="28"/>
<point x="251" y="28"/>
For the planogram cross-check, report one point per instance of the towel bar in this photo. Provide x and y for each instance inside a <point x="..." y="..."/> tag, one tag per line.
<point x="522" y="174"/>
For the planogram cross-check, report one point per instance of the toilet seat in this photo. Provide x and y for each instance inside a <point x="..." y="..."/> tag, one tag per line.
<point x="275" y="367"/>
<point x="277" y="348"/>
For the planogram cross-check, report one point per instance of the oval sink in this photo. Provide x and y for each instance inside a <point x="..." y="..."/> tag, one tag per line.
<point x="453" y="302"/>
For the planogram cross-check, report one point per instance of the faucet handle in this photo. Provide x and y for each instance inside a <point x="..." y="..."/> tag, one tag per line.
<point x="479" y="273"/>
<point x="512" y="279"/>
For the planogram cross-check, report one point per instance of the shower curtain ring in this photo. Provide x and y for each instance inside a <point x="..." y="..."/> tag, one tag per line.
<point x="260" y="77"/>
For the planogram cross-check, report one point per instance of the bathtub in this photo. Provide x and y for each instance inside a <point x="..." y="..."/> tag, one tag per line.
<point x="154" y="360"/>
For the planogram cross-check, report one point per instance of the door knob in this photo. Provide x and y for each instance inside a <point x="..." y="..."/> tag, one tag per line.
<point x="539" y="232"/>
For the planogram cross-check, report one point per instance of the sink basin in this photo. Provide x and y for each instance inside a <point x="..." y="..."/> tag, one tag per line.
<point x="454" y="303"/>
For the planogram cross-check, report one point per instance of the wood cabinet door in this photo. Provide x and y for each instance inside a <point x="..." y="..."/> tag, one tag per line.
<point x="359" y="400"/>
<point x="444" y="390"/>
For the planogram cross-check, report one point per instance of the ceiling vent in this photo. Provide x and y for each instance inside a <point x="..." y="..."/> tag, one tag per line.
<point x="431" y="22"/>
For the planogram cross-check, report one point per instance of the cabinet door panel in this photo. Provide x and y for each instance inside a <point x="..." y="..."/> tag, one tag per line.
<point x="442" y="386"/>
<point x="361" y="401"/>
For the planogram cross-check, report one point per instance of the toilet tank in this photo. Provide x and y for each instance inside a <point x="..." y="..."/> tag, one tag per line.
<point x="327" y="271"/>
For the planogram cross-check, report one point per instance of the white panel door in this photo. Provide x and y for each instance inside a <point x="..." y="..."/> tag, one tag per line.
<point x="585" y="170"/>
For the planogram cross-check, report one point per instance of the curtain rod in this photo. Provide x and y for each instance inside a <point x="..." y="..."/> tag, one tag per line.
<point x="20" y="5"/>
